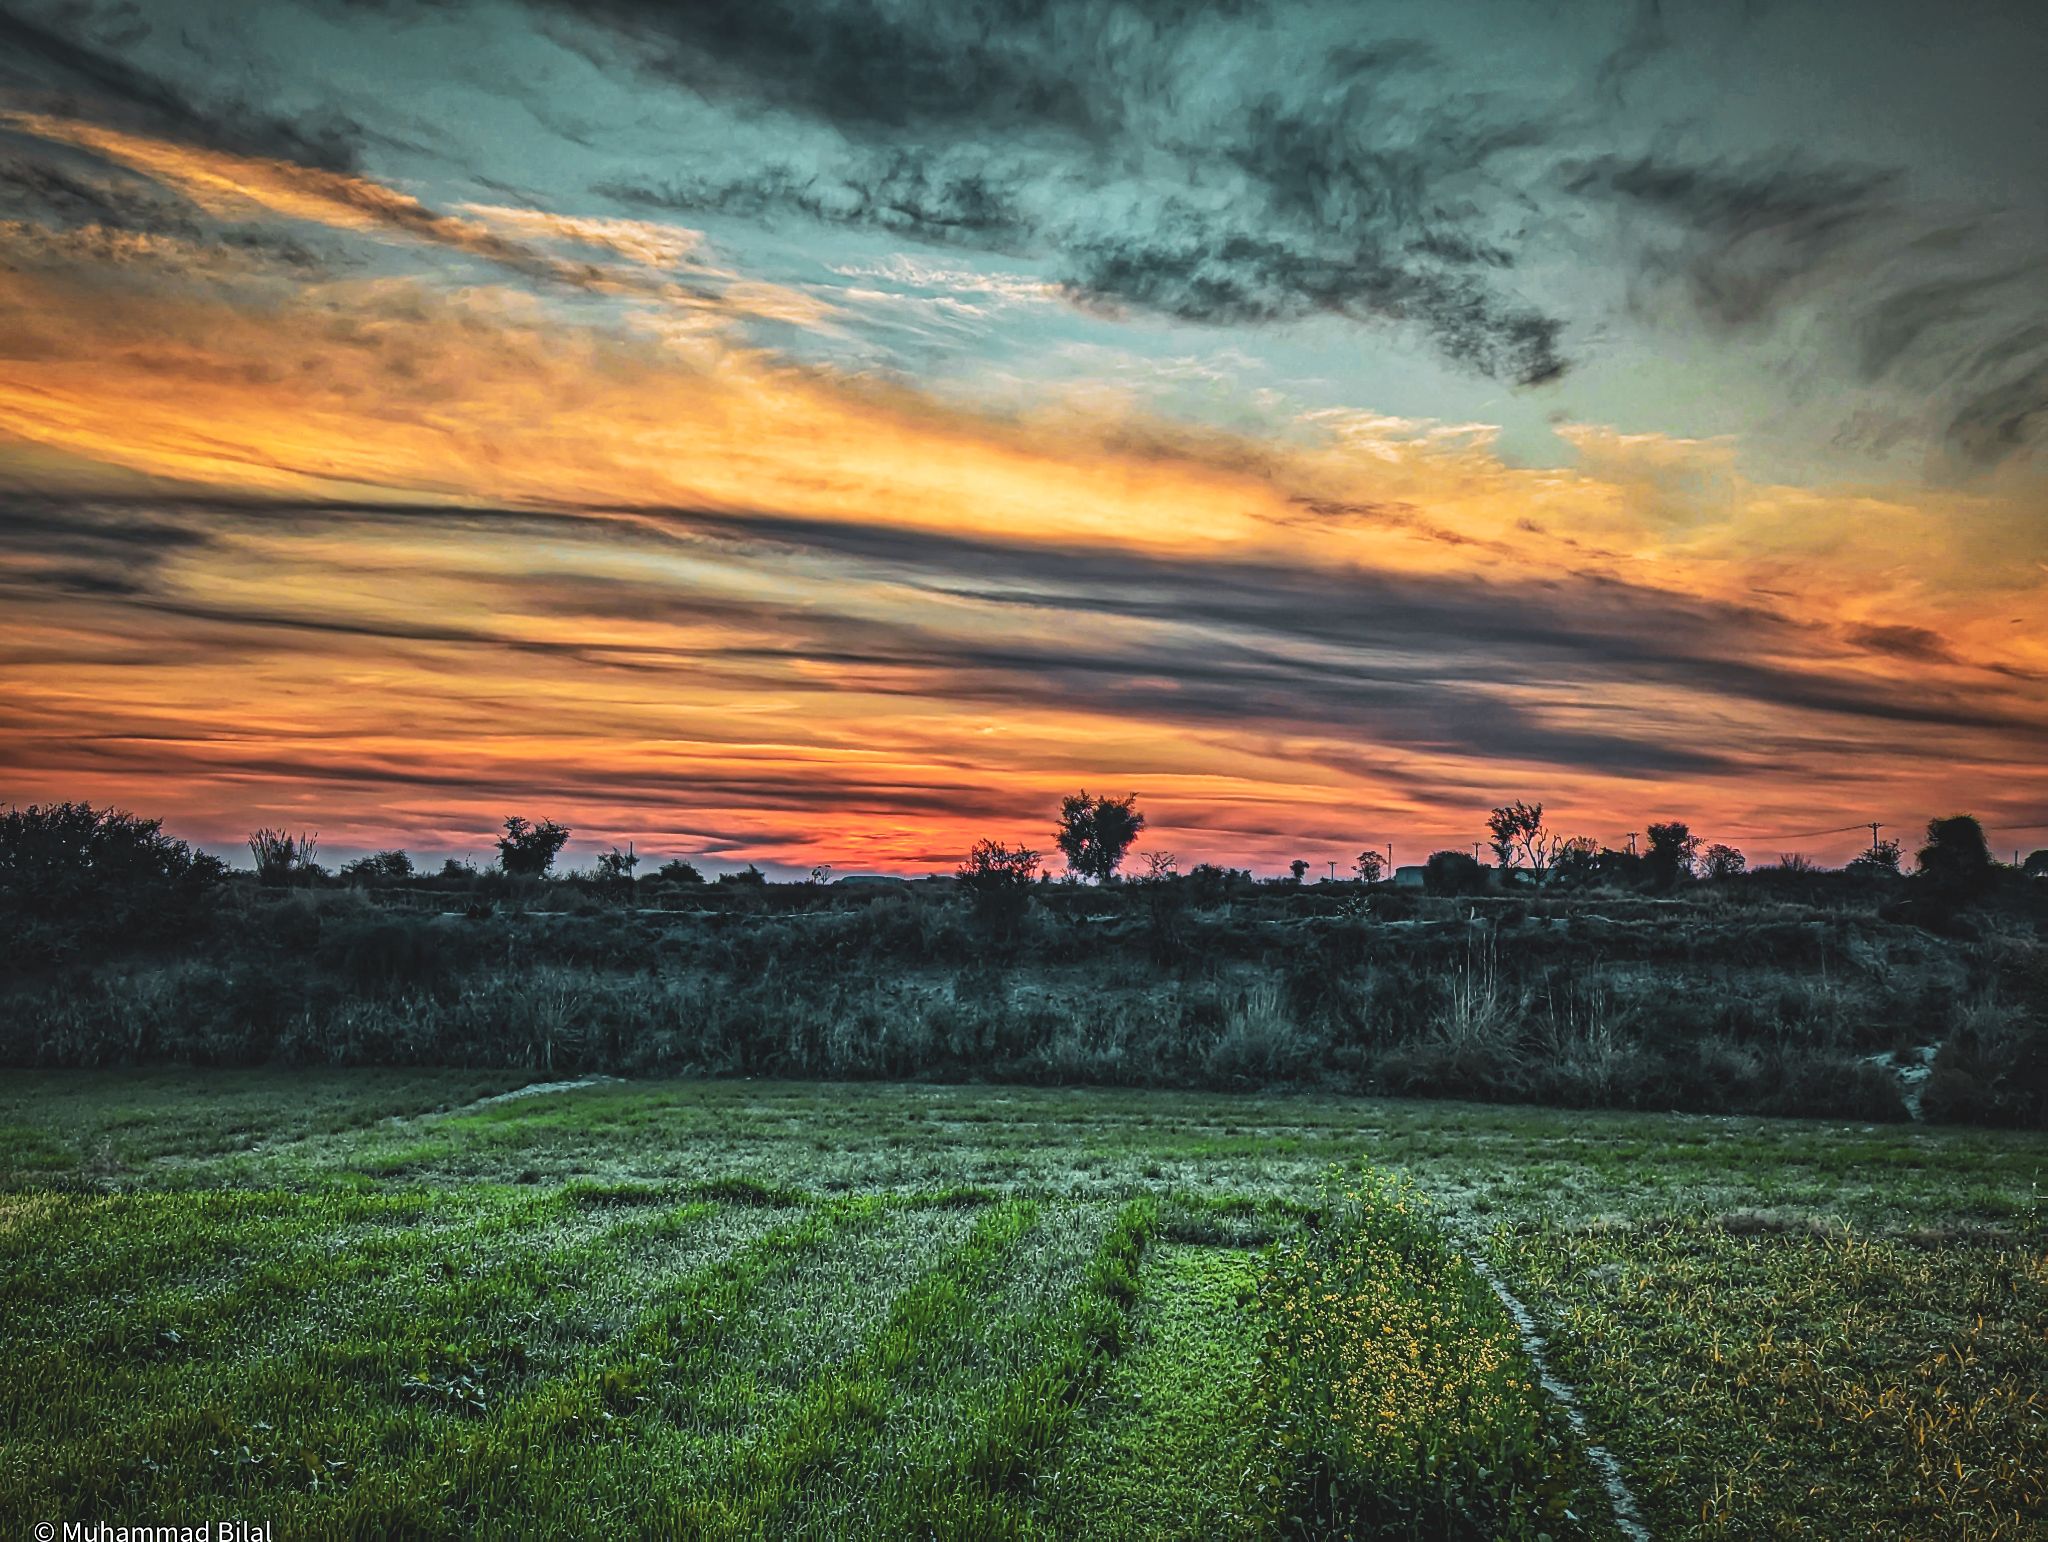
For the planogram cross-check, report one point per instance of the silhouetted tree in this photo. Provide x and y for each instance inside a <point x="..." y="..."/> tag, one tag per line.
<point x="1956" y="861"/>
<point x="821" y="874"/>
<point x="1577" y="862"/>
<point x="453" y="871"/>
<point x="616" y="867"/>
<point x="69" y="871"/>
<point x="1673" y="851"/>
<point x="282" y="858"/>
<point x="748" y="877"/>
<point x="528" y="850"/>
<point x="1723" y="862"/>
<point x="2036" y="865"/>
<point x="1298" y="869"/>
<point x="1880" y="857"/>
<point x="1160" y="866"/>
<point x="1520" y="838"/>
<point x="676" y="870"/>
<point x="1453" y="872"/>
<point x="1371" y="867"/>
<point x="379" y="867"/>
<point x="1095" y="833"/>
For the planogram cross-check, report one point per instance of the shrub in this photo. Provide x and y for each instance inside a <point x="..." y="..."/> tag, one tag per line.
<point x="283" y="859"/>
<point x="379" y="867"/>
<point x="1453" y="872"/>
<point x="1396" y="1396"/>
<point x="1955" y="864"/>
<point x="71" y="874"/>
<point x="1722" y="863"/>
<point x="999" y="878"/>
<point x="615" y="868"/>
<point x="1992" y="1070"/>
<point x="1210" y="885"/>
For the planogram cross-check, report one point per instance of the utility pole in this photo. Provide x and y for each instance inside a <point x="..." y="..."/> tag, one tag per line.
<point x="1873" y="837"/>
<point x="1475" y="851"/>
<point x="1333" y="870"/>
<point x="1631" y="843"/>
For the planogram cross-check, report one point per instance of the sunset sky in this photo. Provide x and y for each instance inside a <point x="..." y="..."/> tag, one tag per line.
<point x="829" y="430"/>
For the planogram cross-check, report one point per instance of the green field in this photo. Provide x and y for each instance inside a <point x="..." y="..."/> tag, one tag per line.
<point x="375" y="1303"/>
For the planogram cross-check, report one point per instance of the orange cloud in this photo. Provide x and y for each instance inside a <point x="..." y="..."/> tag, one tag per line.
<point x="643" y="241"/>
<point x="229" y="186"/>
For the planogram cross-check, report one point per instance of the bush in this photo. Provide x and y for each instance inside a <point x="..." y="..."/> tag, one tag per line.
<point x="1955" y="864"/>
<point x="284" y="859"/>
<point x="73" y="876"/>
<point x="1991" y="1070"/>
<point x="380" y="868"/>
<point x="1452" y="873"/>
<point x="1000" y="879"/>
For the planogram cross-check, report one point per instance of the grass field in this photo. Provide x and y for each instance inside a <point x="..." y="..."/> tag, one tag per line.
<point x="374" y="1303"/>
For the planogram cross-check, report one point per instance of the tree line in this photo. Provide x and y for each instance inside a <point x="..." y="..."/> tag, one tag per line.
<point x="57" y="854"/>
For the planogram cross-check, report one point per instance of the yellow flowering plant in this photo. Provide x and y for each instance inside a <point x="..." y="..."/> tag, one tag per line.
<point x="1398" y="1400"/>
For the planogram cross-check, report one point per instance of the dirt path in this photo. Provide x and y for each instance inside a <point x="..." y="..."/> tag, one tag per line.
<point x="1627" y="1516"/>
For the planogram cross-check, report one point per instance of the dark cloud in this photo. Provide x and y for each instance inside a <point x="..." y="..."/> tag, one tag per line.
<point x="905" y="191"/>
<point x="75" y="526"/>
<point x="1906" y="642"/>
<point x="1449" y="632"/>
<point x="1179" y="260"/>
<point x="1069" y="131"/>
<point x="42" y="742"/>
<point x="1187" y="272"/>
<point x="70" y="218"/>
<point x="50" y="185"/>
<point x="2002" y="419"/>
<point x="1448" y="665"/>
<point x="113" y="549"/>
<point x="45" y="56"/>
<point x="1896" y="289"/>
<point x="875" y="67"/>
<point x="1744" y="237"/>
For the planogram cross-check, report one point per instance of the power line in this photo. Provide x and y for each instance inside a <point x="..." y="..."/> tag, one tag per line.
<point x="1807" y="834"/>
<point x="1800" y="835"/>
